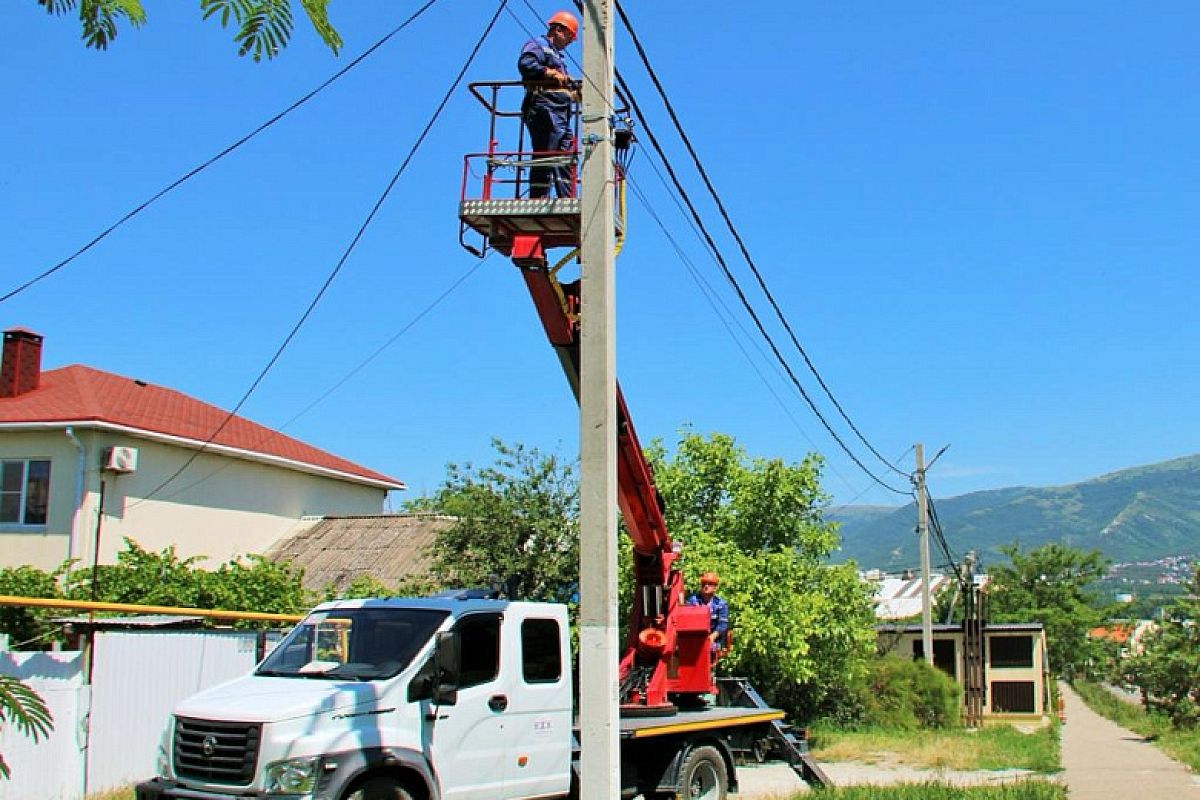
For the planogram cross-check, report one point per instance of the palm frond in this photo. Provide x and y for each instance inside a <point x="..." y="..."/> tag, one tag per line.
<point x="23" y="708"/>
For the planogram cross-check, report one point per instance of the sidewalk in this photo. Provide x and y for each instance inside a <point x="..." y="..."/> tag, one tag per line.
<point x="1102" y="760"/>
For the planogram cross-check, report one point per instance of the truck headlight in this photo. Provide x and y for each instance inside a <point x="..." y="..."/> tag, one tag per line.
<point x="164" y="762"/>
<point x="293" y="776"/>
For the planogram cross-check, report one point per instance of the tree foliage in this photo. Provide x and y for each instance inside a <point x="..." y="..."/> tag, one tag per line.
<point x="1052" y="585"/>
<point x="24" y="709"/>
<point x="517" y="522"/>
<point x="802" y="629"/>
<point x="142" y="577"/>
<point x="261" y="27"/>
<point x="1168" y="668"/>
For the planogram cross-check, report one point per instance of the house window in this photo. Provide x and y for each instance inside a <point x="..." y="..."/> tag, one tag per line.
<point x="1012" y="697"/>
<point x="1010" y="651"/>
<point x="944" y="657"/>
<point x="24" y="492"/>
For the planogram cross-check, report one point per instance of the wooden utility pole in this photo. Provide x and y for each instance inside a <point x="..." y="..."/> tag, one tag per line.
<point x="923" y="537"/>
<point x="600" y="765"/>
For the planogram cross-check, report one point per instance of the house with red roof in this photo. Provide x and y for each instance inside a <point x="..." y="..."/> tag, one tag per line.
<point x="89" y="458"/>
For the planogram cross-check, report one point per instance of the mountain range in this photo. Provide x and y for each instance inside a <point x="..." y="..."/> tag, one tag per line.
<point x="1138" y="514"/>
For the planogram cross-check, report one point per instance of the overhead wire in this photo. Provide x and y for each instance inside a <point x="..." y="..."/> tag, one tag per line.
<point x="214" y="159"/>
<point x="738" y="238"/>
<point x="741" y="294"/>
<point x="698" y="224"/>
<point x="278" y="430"/>
<point x="345" y="255"/>
<point x="714" y="299"/>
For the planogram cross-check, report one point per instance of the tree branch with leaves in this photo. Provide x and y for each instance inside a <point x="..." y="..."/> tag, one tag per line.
<point x="262" y="28"/>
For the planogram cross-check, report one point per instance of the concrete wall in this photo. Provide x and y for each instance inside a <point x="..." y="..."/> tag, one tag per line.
<point x="219" y="507"/>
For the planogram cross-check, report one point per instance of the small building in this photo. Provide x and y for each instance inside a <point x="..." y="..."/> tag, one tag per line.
<point x="1015" y="668"/>
<point x="89" y="458"/>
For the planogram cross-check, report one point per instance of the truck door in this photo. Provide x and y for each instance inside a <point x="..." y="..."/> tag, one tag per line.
<point x="538" y="717"/>
<point x="467" y="739"/>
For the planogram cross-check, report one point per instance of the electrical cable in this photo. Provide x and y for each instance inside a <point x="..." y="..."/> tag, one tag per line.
<point x="742" y="295"/>
<point x="738" y="238"/>
<point x="214" y="159"/>
<point x="345" y="255"/>
<point x="714" y="298"/>
<point x="340" y="383"/>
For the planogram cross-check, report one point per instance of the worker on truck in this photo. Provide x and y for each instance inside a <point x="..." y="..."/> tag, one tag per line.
<point x="546" y="110"/>
<point x="718" y="611"/>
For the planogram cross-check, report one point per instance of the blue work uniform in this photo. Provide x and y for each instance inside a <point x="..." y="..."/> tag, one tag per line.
<point x="547" y="114"/>
<point x="718" y="617"/>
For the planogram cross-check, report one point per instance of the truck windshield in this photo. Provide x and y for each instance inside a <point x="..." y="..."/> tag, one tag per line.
<point x="352" y="644"/>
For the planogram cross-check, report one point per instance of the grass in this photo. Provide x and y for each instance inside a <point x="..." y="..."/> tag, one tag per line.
<point x="1183" y="746"/>
<point x="992" y="748"/>
<point x="114" y="794"/>
<point x="1023" y="790"/>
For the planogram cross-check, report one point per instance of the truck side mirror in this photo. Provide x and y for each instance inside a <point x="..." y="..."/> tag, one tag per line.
<point x="447" y="656"/>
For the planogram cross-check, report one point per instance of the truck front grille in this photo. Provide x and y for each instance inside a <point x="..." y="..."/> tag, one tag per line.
<point x="217" y="752"/>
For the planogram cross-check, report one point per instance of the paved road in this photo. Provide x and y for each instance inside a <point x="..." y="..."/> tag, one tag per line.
<point x="1102" y="760"/>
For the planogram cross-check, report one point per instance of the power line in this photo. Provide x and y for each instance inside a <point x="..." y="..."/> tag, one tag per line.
<point x="345" y="255"/>
<point x="197" y="170"/>
<point x="342" y="381"/>
<point x="741" y="294"/>
<point x="738" y="238"/>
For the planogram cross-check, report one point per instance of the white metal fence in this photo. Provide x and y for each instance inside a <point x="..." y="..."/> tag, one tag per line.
<point x="106" y="734"/>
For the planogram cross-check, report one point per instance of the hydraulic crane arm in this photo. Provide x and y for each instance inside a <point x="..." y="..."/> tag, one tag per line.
<point x="667" y="657"/>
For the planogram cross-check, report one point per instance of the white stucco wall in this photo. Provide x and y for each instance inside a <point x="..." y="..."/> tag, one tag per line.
<point x="219" y="507"/>
<point x="44" y="546"/>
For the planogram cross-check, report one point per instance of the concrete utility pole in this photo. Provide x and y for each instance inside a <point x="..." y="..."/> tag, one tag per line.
<point x="923" y="537"/>
<point x="600" y="765"/>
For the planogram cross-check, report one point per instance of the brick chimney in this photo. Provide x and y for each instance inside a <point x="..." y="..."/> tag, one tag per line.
<point x="21" y="366"/>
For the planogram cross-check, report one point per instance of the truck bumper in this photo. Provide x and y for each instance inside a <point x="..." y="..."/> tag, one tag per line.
<point x="159" y="789"/>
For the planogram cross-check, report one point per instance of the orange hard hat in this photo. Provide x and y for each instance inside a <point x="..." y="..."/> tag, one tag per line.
<point x="567" y="20"/>
<point x="710" y="577"/>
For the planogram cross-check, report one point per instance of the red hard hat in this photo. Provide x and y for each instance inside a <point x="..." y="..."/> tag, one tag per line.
<point x="567" y="20"/>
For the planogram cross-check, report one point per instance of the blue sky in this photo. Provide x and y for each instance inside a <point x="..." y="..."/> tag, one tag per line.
<point x="980" y="220"/>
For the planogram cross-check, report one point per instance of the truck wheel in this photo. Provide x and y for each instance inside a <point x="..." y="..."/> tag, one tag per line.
<point x="703" y="775"/>
<point x="380" y="789"/>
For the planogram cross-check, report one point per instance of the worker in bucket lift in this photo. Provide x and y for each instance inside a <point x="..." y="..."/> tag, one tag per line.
<point x="546" y="110"/>
<point x="718" y="611"/>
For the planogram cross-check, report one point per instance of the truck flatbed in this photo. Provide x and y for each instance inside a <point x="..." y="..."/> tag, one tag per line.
<point x="689" y="721"/>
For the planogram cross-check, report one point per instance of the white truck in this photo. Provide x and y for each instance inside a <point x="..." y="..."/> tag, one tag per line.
<point x="445" y="698"/>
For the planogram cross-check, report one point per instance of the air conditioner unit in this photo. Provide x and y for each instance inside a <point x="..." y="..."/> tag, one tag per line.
<point x="119" y="459"/>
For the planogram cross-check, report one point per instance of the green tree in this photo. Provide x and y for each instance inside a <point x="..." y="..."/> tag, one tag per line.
<point x="1168" y="668"/>
<point x="803" y="630"/>
<point x="517" y="522"/>
<point x="26" y="625"/>
<point x="23" y="708"/>
<point x="262" y="27"/>
<point x="1052" y="585"/>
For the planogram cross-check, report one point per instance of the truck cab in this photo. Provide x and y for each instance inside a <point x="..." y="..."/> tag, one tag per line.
<point x="446" y="697"/>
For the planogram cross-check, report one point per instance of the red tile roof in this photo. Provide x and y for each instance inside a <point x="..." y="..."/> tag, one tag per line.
<point x="81" y="394"/>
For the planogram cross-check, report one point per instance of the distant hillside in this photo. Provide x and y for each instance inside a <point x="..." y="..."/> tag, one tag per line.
<point x="1137" y="514"/>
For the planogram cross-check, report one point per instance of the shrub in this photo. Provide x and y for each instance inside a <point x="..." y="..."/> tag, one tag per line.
<point x="903" y="694"/>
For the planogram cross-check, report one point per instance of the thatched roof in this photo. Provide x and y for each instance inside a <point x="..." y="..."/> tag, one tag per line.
<point x="336" y="550"/>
